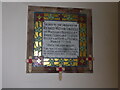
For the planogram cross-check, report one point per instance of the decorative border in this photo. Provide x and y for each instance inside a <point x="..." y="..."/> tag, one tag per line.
<point x="40" y="17"/>
<point x="84" y="35"/>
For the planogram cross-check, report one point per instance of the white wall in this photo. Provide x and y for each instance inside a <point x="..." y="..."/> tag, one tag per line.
<point x="0" y="45"/>
<point x="105" y="49"/>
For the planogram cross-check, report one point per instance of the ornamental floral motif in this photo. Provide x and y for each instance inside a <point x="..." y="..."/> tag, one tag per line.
<point x="82" y="30"/>
<point x="51" y="62"/>
<point x="61" y="61"/>
<point x="81" y="60"/>
<point x="69" y="17"/>
<point x="82" y="48"/>
<point x="70" y="61"/>
<point x="82" y="39"/>
<point x="51" y="17"/>
<point x="62" y="17"/>
<point x="38" y="48"/>
<point x="40" y="17"/>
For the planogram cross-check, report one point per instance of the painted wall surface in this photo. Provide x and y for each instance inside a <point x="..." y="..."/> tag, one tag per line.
<point x="14" y="38"/>
<point x="0" y="45"/>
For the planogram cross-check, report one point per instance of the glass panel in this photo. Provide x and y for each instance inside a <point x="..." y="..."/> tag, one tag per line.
<point x="46" y="59"/>
<point x="56" y="63"/>
<point x="36" y="25"/>
<point x="75" y="59"/>
<point x="81" y="53"/>
<point x="35" y="53"/>
<point x="40" y="54"/>
<point x="84" y="53"/>
<point x="65" y="15"/>
<point x="46" y="18"/>
<point x="74" y="64"/>
<point x="64" y="19"/>
<point x="40" y="34"/>
<point x="65" y="59"/>
<point x="38" y="38"/>
<point x="40" y="24"/>
<point x="56" y="59"/>
<point x="36" y="43"/>
<point x="56" y="15"/>
<point x="66" y="63"/>
<point x="57" y="19"/>
<point x="46" y="14"/>
<point x="40" y="43"/>
<point x="45" y="63"/>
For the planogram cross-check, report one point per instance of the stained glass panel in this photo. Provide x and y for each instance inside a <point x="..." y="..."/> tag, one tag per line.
<point x="76" y="54"/>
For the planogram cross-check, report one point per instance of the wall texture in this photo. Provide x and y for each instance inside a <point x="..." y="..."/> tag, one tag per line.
<point x="0" y="45"/>
<point x="104" y="43"/>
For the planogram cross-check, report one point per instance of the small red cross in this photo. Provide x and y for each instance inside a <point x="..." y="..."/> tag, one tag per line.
<point x="30" y="60"/>
<point x="60" y="69"/>
<point x="90" y="58"/>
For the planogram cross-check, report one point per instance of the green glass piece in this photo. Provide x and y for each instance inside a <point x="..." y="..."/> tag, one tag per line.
<point x="69" y="17"/>
<point x="38" y="49"/>
<point x="51" y="17"/>
<point x="82" y="48"/>
<point x="70" y="61"/>
<point x="82" y="39"/>
<point x="38" y="39"/>
<point x="82" y="61"/>
<point x="61" y="62"/>
<point x="51" y="62"/>
<point x="82" y="30"/>
<point x="38" y="29"/>
<point x="39" y="17"/>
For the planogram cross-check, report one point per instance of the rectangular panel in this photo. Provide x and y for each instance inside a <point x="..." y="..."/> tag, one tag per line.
<point x="59" y="36"/>
<point x="60" y="39"/>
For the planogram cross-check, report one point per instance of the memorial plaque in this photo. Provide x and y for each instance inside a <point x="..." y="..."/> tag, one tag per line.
<point x="59" y="38"/>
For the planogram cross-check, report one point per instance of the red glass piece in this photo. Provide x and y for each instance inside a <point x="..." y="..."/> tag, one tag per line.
<point x="29" y="60"/>
<point x="89" y="58"/>
<point x="60" y="69"/>
<point x="81" y="60"/>
<point x="37" y="14"/>
<point x="41" y="17"/>
<point x="61" y="16"/>
<point x="82" y="19"/>
<point x="41" y="14"/>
